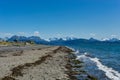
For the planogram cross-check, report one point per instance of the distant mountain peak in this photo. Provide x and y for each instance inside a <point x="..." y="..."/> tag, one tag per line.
<point x="62" y="39"/>
<point x="113" y="39"/>
<point x="36" y="39"/>
<point x="110" y="39"/>
<point x="93" y="39"/>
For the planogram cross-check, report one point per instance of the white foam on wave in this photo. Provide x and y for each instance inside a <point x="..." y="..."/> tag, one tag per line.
<point x="70" y="48"/>
<point x="109" y="72"/>
<point x="77" y="51"/>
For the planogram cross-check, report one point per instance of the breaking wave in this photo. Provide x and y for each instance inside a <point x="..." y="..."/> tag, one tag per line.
<point x="109" y="72"/>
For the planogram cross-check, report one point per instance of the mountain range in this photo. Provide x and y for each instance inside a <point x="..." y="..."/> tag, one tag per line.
<point x="39" y="40"/>
<point x="35" y="39"/>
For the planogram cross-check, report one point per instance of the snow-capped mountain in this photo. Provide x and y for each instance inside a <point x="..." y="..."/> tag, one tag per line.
<point x="92" y="39"/>
<point x="35" y="39"/>
<point x="55" y="40"/>
<point x="62" y="39"/>
<point x="104" y="39"/>
<point x="19" y="38"/>
<point x="69" y="38"/>
<point x="113" y="40"/>
<point x="110" y="40"/>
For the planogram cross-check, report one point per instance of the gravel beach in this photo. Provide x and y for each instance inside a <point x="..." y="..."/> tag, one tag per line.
<point x="34" y="63"/>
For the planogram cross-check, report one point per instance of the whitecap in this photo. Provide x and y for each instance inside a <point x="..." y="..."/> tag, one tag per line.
<point x="109" y="72"/>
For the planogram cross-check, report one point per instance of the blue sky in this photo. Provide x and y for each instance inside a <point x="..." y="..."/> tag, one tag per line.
<point x="60" y="18"/>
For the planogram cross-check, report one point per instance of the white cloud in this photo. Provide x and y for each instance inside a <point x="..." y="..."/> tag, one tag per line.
<point x="36" y="33"/>
<point x="71" y="35"/>
<point x="22" y="33"/>
<point x="59" y="35"/>
<point x="8" y="34"/>
<point x="113" y="36"/>
<point x="93" y="34"/>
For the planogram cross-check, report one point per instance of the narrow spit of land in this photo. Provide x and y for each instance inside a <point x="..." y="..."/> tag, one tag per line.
<point x="35" y="63"/>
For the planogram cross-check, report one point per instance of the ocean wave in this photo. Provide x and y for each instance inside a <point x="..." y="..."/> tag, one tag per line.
<point x="109" y="72"/>
<point x="77" y="51"/>
<point x="70" y="48"/>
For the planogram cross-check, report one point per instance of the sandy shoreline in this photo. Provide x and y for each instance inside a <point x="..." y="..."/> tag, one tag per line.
<point x="34" y="63"/>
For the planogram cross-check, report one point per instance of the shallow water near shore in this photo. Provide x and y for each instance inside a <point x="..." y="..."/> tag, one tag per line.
<point x="100" y="60"/>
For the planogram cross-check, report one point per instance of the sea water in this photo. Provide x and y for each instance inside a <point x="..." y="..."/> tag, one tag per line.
<point x="101" y="59"/>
